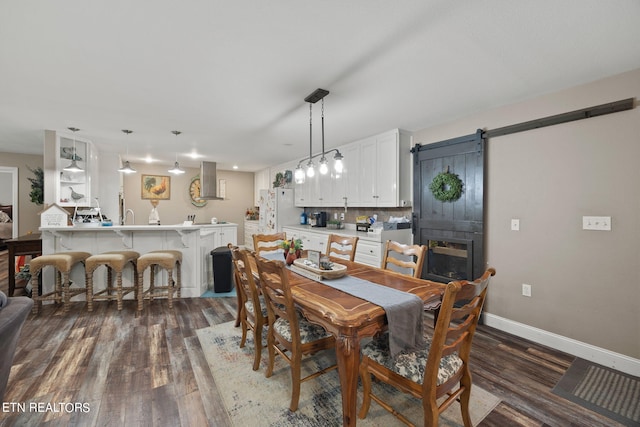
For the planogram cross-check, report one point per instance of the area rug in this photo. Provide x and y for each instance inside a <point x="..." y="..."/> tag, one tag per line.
<point x="252" y="399"/>
<point x="611" y="393"/>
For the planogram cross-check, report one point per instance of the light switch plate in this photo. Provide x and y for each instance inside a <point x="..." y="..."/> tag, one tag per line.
<point x="515" y="225"/>
<point x="600" y="223"/>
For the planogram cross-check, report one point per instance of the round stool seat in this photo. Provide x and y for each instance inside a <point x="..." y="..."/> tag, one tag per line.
<point x="169" y="260"/>
<point x="114" y="261"/>
<point x="165" y="259"/>
<point x="63" y="263"/>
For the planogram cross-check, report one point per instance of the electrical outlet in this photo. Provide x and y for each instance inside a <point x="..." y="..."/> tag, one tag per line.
<point x="515" y="225"/>
<point x="526" y="290"/>
<point x="600" y="223"/>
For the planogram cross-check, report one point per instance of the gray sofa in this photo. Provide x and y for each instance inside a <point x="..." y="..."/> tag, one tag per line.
<point x="13" y="313"/>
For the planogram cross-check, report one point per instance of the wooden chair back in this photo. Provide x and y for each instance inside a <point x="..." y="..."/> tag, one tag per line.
<point x="268" y="242"/>
<point x="252" y="316"/>
<point x="342" y="246"/>
<point x="404" y="256"/>
<point x="284" y="337"/>
<point x="274" y="283"/>
<point x="452" y="338"/>
<point x="454" y="333"/>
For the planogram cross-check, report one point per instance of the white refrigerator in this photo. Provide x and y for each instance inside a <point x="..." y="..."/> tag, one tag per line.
<point x="277" y="209"/>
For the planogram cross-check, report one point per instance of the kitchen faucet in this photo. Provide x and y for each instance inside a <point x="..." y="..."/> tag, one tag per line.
<point x="133" y="217"/>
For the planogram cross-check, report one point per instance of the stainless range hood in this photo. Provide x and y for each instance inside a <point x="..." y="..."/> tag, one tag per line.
<point x="208" y="181"/>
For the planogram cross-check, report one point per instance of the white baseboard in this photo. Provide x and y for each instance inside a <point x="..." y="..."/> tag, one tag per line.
<point x="580" y="349"/>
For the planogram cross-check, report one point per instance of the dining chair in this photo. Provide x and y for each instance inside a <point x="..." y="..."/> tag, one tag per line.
<point x="268" y="242"/>
<point x="399" y="256"/>
<point x="342" y="246"/>
<point x="253" y="314"/>
<point x="290" y="335"/>
<point x="441" y="367"/>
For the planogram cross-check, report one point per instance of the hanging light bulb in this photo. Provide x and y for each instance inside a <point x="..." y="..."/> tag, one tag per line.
<point x="126" y="167"/>
<point x="324" y="167"/>
<point x="176" y="170"/>
<point x="338" y="166"/>
<point x="299" y="174"/>
<point x="73" y="167"/>
<point x="310" y="170"/>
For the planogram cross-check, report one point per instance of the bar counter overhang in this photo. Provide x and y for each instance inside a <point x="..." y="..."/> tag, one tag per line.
<point x="194" y="241"/>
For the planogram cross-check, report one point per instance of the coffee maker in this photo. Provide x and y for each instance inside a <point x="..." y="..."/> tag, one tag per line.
<point x="321" y="219"/>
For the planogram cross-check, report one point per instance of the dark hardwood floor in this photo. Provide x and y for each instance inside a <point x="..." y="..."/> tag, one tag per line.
<point x="151" y="370"/>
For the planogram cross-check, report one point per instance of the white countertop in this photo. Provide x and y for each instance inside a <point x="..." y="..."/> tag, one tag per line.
<point x="139" y="227"/>
<point x="378" y="235"/>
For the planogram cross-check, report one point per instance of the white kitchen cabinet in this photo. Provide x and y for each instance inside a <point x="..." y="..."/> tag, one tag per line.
<point x="251" y="227"/>
<point x="311" y="240"/>
<point x="351" y="174"/>
<point x="379" y="171"/>
<point x="73" y="188"/>
<point x="370" y="245"/>
<point x="226" y="235"/>
<point x="369" y="252"/>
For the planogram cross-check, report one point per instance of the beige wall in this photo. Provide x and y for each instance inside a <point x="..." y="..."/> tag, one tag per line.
<point x="239" y="197"/>
<point x="585" y="284"/>
<point x="28" y="219"/>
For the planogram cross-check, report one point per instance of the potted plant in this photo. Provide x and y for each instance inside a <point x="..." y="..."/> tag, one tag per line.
<point x="292" y="250"/>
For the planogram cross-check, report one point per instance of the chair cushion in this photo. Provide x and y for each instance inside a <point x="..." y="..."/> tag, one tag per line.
<point x="308" y="331"/>
<point x="249" y="307"/>
<point x="410" y="364"/>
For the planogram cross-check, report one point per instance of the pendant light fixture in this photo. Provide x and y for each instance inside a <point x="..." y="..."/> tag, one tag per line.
<point x="126" y="167"/>
<point x="314" y="97"/>
<point x="176" y="170"/>
<point x="73" y="167"/>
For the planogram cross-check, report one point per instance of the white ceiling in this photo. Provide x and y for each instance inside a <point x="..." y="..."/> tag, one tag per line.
<point x="233" y="75"/>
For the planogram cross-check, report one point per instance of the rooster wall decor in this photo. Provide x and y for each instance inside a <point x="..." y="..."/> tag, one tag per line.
<point x="156" y="187"/>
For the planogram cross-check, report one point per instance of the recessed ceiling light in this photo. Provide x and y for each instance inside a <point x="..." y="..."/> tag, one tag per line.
<point x="148" y="159"/>
<point x="235" y="166"/>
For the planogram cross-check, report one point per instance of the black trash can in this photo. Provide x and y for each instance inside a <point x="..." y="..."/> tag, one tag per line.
<point x="222" y="269"/>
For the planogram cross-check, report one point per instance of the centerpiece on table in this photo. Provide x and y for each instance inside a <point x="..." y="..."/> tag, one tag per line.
<point x="292" y="250"/>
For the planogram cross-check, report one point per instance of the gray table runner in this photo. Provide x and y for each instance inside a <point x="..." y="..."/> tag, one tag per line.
<point x="403" y="310"/>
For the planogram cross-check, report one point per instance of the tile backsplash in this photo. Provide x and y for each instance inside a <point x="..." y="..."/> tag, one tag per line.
<point x="351" y="213"/>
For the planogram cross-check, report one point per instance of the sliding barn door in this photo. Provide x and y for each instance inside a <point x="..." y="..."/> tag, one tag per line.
<point x="453" y="230"/>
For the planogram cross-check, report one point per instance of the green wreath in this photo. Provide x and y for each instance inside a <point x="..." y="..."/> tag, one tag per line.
<point x="446" y="187"/>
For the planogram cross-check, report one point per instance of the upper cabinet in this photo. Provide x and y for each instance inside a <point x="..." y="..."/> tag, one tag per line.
<point x="73" y="187"/>
<point x="377" y="173"/>
<point x="378" y="170"/>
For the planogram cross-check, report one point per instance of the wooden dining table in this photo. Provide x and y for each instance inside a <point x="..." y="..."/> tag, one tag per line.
<point x="349" y="318"/>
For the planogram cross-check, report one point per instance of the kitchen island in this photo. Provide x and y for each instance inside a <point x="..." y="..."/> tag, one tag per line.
<point x="194" y="241"/>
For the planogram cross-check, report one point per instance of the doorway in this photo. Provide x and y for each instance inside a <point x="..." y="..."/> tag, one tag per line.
<point x="9" y="202"/>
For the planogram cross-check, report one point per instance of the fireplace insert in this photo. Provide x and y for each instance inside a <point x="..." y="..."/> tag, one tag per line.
<point x="449" y="259"/>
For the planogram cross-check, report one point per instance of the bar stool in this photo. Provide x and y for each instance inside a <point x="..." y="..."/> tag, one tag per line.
<point x="63" y="263"/>
<point x="114" y="261"/>
<point x="169" y="260"/>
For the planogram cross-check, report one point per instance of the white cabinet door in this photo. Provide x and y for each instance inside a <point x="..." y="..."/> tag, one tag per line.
<point x="387" y="178"/>
<point x="369" y="253"/>
<point x="227" y="235"/>
<point x="302" y="194"/>
<point x="368" y="172"/>
<point x="351" y="174"/>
